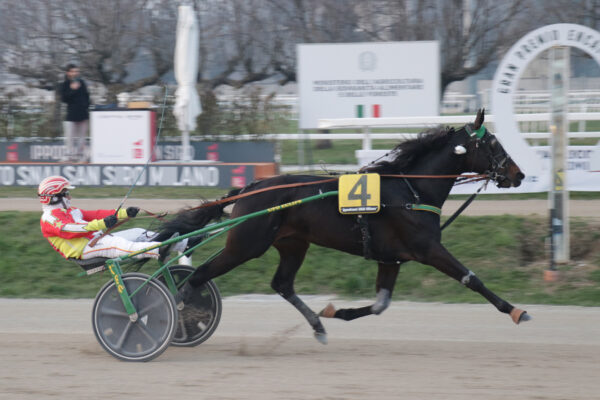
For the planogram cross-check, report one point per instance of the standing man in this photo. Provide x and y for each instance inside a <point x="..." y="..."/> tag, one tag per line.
<point x="74" y="92"/>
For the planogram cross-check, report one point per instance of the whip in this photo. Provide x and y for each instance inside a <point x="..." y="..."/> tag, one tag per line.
<point x="93" y="242"/>
<point x="151" y="152"/>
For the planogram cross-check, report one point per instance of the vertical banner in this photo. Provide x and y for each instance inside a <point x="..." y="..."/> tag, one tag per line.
<point x="559" y="194"/>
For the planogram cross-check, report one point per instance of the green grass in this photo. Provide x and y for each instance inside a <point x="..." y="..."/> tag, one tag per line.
<point x="506" y="252"/>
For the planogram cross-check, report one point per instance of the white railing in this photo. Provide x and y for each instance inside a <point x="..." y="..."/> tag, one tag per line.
<point x="366" y="124"/>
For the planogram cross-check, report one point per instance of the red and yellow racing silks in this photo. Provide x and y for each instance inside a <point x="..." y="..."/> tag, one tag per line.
<point x="70" y="230"/>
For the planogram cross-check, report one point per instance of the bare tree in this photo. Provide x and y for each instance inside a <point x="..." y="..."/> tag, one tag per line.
<point x="472" y="33"/>
<point x="258" y="38"/>
<point x="583" y="12"/>
<point x="126" y="44"/>
<point x="107" y="38"/>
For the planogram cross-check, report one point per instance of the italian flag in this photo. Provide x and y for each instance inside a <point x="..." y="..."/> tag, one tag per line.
<point x="375" y="111"/>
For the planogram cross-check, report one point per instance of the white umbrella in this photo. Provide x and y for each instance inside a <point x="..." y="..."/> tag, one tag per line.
<point x="187" y="104"/>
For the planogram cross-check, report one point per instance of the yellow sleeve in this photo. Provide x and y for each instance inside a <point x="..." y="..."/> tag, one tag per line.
<point x="122" y="214"/>
<point x="95" y="225"/>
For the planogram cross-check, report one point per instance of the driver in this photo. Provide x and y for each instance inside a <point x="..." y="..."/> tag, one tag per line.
<point x="70" y="230"/>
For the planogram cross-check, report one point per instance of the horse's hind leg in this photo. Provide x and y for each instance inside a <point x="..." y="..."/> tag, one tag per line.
<point x="292" y="252"/>
<point x="386" y="279"/>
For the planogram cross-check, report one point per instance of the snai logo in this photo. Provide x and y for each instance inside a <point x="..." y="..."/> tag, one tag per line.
<point x="212" y="153"/>
<point x="238" y="181"/>
<point x="12" y="154"/>
<point x="138" y="152"/>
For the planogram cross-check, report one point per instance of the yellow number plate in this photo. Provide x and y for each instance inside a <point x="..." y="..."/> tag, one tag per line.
<point x="359" y="194"/>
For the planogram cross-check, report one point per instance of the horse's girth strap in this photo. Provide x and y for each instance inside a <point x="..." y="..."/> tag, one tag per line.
<point x="363" y="224"/>
<point x="425" y="207"/>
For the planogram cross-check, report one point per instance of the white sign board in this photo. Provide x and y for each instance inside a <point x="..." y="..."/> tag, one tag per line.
<point x="506" y="84"/>
<point x="583" y="171"/>
<point x="579" y="175"/>
<point x="122" y="137"/>
<point x="368" y="80"/>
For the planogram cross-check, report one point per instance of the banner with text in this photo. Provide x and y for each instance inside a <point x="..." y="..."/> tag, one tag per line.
<point x="368" y="80"/>
<point x="216" y="175"/>
<point x="580" y="173"/>
<point x="236" y="152"/>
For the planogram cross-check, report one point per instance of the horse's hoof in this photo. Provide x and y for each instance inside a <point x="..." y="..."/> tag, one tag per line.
<point x="525" y="317"/>
<point x="519" y="315"/>
<point x="321" y="337"/>
<point x="328" y="311"/>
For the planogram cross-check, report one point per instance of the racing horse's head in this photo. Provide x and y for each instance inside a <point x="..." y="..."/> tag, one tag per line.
<point x="484" y="154"/>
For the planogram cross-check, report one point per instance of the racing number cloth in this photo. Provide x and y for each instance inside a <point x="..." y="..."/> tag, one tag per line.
<point x="359" y="194"/>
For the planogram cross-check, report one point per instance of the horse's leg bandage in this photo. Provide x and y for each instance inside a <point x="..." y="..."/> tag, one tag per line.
<point x="382" y="302"/>
<point x="467" y="279"/>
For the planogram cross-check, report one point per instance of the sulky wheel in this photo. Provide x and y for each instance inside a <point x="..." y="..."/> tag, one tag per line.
<point x="200" y="317"/>
<point x="150" y="334"/>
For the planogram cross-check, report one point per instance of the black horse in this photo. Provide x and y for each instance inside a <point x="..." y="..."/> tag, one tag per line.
<point x="401" y="231"/>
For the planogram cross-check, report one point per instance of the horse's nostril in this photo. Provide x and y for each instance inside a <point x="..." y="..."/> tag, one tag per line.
<point x="520" y="176"/>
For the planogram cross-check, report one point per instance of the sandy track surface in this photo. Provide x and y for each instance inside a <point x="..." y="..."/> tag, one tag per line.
<point x="263" y="349"/>
<point x="577" y="208"/>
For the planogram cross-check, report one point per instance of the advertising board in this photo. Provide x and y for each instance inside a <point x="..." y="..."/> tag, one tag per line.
<point x="234" y="152"/>
<point x="213" y="175"/>
<point x="122" y="136"/>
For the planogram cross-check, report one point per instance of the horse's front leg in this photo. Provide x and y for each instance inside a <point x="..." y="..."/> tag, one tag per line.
<point x="440" y="258"/>
<point x="386" y="279"/>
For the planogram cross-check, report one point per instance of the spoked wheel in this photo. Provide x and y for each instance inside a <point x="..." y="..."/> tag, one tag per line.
<point x="145" y="338"/>
<point x="200" y="317"/>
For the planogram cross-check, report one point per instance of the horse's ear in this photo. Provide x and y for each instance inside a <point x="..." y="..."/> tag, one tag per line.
<point x="479" y="118"/>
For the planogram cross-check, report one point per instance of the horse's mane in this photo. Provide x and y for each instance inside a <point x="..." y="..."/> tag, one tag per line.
<point x="406" y="153"/>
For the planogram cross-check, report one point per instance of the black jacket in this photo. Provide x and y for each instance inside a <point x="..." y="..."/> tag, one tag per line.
<point x="78" y="101"/>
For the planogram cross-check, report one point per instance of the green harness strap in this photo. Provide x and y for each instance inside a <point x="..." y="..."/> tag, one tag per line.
<point x="424" y="207"/>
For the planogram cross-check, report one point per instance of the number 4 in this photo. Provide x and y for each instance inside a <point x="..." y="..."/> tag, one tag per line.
<point x="359" y="191"/>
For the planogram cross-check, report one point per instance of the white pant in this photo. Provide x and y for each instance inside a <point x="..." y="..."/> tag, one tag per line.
<point x="126" y="242"/>
<point x="75" y="137"/>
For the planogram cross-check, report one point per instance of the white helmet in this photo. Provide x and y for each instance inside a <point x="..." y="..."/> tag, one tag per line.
<point x="52" y="186"/>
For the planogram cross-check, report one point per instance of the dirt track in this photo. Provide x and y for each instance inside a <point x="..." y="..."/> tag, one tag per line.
<point x="263" y="349"/>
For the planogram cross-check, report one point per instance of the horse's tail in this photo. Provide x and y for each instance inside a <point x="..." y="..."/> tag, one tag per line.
<point x="189" y="220"/>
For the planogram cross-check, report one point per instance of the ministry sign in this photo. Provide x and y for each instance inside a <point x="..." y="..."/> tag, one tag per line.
<point x="368" y="80"/>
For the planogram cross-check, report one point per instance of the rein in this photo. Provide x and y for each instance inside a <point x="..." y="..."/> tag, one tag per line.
<point x="267" y="189"/>
<point x="293" y="185"/>
<point x="470" y="176"/>
<point x="150" y="214"/>
<point x="462" y="208"/>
